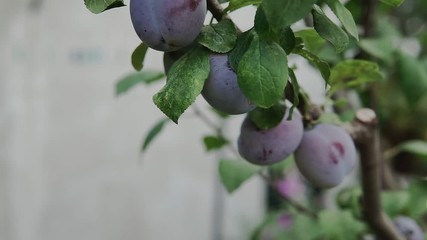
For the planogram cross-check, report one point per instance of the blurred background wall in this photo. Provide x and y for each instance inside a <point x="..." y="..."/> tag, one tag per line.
<point x="69" y="148"/>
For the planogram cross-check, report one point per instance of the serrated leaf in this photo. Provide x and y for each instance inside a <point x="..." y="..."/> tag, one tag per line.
<point x="138" y="56"/>
<point x="234" y="173"/>
<point x="328" y="30"/>
<point x="345" y="17"/>
<point x="311" y="39"/>
<point x="266" y="118"/>
<point x="243" y="42"/>
<point x="338" y="225"/>
<point x="220" y="37"/>
<point x="354" y="73"/>
<point x="281" y="14"/>
<point x="323" y="66"/>
<point x="153" y="133"/>
<point x="412" y="77"/>
<point x="214" y="142"/>
<point x="99" y="6"/>
<point x="417" y="147"/>
<point x="131" y="80"/>
<point x="185" y="82"/>
<point x="262" y="72"/>
<point x="236" y="4"/>
<point x="393" y="3"/>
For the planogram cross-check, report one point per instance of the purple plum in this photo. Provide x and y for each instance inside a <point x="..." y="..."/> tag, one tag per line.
<point x="167" y="25"/>
<point x="221" y="89"/>
<point x="265" y="147"/>
<point x="326" y="155"/>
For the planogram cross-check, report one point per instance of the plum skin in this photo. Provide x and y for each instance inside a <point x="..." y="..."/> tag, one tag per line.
<point x="167" y="25"/>
<point x="266" y="147"/>
<point x="408" y="228"/>
<point x="326" y="155"/>
<point x="221" y="90"/>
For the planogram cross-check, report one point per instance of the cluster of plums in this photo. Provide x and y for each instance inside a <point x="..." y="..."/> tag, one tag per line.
<point x="324" y="154"/>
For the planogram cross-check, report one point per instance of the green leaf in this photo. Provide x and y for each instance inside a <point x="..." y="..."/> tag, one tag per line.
<point x="234" y="173"/>
<point x="266" y="118"/>
<point x="138" y="57"/>
<point x="312" y="40"/>
<point x="236" y="4"/>
<point x="418" y="201"/>
<point x="287" y="40"/>
<point x="354" y="73"/>
<point x="381" y="48"/>
<point x="345" y="17"/>
<point x="99" y="6"/>
<point x="417" y="147"/>
<point x="185" y="82"/>
<point x="214" y="142"/>
<point x="328" y="30"/>
<point x="319" y="63"/>
<point x="263" y="73"/>
<point x="220" y="37"/>
<point x="131" y="80"/>
<point x="393" y="3"/>
<point x="338" y="225"/>
<point x="412" y="77"/>
<point x="243" y="42"/>
<point x="281" y="14"/>
<point x="153" y="133"/>
<point x="303" y="227"/>
<point x="394" y="202"/>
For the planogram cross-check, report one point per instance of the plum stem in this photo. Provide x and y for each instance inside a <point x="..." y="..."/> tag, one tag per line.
<point x="365" y="133"/>
<point x="293" y="203"/>
<point x="218" y="12"/>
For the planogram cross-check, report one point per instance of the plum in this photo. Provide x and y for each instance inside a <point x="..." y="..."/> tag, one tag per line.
<point x="326" y="155"/>
<point x="221" y="89"/>
<point x="408" y="228"/>
<point x="167" y="25"/>
<point x="265" y="147"/>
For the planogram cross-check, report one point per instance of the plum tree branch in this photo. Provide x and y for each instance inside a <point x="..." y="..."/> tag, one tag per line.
<point x="216" y="9"/>
<point x="366" y="136"/>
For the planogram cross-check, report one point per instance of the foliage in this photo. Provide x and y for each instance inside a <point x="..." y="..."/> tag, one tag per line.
<point x="354" y="57"/>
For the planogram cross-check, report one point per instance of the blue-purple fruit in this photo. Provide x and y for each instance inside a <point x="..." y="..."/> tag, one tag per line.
<point x="167" y="25"/>
<point x="326" y="155"/>
<point x="408" y="228"/>
<point x="265" y="147"/>
<point x="221" y="89"/>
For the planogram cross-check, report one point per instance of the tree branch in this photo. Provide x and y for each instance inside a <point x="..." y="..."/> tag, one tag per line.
<point x="366" y="136"/>
<point x="216" y="9"/>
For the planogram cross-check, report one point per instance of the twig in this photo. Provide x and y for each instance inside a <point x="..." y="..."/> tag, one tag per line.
<point x="366" y="135"/>
<point x="205" y="119"/>
<point x="216" y="9"/>
<point x="290" y="201"/>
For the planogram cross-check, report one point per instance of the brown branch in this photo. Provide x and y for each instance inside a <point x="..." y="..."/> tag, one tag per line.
<point x="216" y="9"/>
<point x="366" y="136"/>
